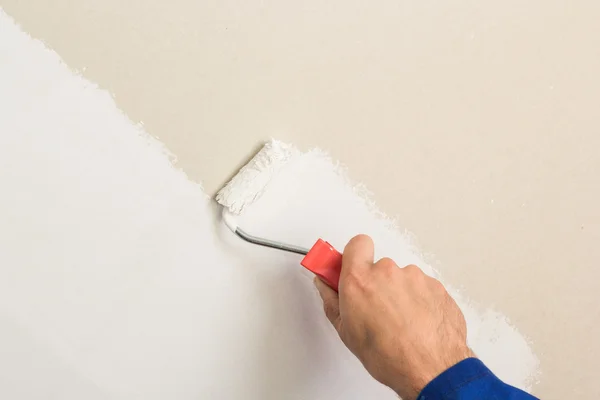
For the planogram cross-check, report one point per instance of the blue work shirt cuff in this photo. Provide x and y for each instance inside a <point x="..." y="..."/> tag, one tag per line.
<point x="455" y="377"/>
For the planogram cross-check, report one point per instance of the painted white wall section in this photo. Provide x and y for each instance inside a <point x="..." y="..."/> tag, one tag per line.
<point x="118" y="281"/>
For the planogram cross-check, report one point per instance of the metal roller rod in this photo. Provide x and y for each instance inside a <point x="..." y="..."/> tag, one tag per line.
<point x="270" y="243"/>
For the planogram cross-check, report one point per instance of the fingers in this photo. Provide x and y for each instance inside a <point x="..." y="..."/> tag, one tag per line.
<point x="358" y="255"/>
<point x="331" y="303"/>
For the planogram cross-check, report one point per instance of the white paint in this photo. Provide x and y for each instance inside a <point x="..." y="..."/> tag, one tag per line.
<point x="229" y="219"/>
<point x="251" y="181"/>
<point x="313" y="194"/>
<point x="119" y="281"/>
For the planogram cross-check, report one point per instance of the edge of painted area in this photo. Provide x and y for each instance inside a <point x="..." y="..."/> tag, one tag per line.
<point x="246" y="187"/>
<point x="15" y="36"/>
<point x="496" y="323"/>
<point x="283" y="160"/>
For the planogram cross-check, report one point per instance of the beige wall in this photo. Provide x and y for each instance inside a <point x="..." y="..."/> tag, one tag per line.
<point x="475" y="123"/>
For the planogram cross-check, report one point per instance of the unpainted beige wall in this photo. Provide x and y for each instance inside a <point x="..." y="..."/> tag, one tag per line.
<point x="475" y="123"/>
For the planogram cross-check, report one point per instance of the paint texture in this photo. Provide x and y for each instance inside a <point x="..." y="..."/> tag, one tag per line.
<point x="253" y="179"/>
<point x="119" y="281"/>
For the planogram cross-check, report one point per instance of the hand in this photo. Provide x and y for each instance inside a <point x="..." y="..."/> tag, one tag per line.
<point x="401" y="324"/>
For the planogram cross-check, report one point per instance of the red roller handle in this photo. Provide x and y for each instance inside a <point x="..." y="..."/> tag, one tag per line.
<point x="325" y="262"/>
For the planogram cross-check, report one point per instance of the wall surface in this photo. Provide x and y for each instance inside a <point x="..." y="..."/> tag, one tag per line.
<point x="474" y="123"/>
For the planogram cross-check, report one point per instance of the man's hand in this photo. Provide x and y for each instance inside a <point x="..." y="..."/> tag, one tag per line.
<point x="400" y="323"/>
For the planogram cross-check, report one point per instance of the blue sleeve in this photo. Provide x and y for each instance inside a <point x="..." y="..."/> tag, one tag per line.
<point x="470" y="379"/>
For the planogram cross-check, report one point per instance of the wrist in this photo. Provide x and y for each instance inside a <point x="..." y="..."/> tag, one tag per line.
<point x="456" y="380"/>
<point x="409" y="389"/>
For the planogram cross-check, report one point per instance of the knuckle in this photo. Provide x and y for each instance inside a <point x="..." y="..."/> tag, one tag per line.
<point x="437" y="286"/>
<point x="413" y="271"/>
<point x="386" y="262"/>
<point x="387" y="266"/>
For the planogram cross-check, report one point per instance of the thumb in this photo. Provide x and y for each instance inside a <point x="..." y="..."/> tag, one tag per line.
<point x="331" y="303"/>
<point x="357" y="258"/>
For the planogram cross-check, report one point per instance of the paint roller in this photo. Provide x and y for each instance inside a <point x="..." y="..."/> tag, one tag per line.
<point x="248" y="184"/>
